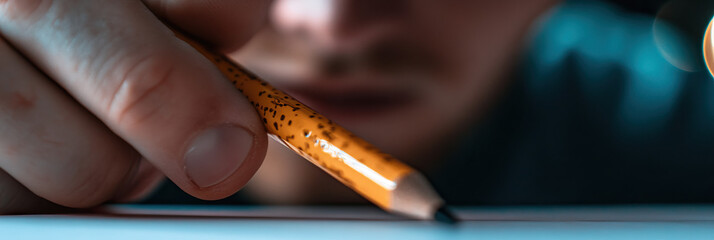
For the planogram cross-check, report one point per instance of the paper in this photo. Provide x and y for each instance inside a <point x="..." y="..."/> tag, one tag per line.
<point x="365" y="223"/>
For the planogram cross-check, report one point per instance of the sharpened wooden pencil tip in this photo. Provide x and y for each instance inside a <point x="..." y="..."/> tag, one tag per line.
<point x="444" y="215"/>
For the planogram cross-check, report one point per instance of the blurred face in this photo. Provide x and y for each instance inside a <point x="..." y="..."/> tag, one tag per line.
<point x="407" y="76"/>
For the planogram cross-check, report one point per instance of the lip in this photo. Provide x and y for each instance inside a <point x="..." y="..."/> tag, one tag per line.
<point x="351" y="104"/>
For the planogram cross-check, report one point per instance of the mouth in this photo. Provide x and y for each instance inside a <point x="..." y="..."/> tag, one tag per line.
<point x="347" y="105"/>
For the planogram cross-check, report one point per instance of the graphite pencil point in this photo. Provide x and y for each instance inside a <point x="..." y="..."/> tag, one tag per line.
<point x="444" y="215"/>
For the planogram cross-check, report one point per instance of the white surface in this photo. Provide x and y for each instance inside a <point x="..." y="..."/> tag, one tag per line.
<point x="189" y="222"/>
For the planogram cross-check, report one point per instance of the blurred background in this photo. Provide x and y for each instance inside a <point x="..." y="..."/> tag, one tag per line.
<point x="609" y="103"/>
<point x="689" y="16"/>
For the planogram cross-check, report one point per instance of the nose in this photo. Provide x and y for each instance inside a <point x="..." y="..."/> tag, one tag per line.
<point x="336" y="24"/>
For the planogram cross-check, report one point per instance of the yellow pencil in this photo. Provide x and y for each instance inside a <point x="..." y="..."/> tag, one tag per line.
<point x="377" y="176"/>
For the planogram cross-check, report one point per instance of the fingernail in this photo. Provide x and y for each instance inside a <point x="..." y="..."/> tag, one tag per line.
<point x="216" y="153"/>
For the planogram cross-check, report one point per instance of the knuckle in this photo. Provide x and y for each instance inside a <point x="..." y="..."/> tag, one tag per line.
<point x="89" y="189"/>
<point x="94" y="185"/>
<point x="140" y="85"/>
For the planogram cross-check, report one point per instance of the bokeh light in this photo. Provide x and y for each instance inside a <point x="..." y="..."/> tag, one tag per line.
<point x="677" y="31"/>
<point x="709" y="47"/>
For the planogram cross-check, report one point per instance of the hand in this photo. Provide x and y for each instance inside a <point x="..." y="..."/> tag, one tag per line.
<point x="99" y="100"/>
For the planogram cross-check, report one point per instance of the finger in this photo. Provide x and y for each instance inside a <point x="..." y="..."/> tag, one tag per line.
<point x="226" y="24"/>
<point x="142" y="183"/>
<point x="16" y="199"/>
<point x="51" y="144"/>
<point x="153" y="90"/>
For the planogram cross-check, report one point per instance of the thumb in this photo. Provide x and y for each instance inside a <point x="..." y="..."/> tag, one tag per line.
<point x="150" y="88"/>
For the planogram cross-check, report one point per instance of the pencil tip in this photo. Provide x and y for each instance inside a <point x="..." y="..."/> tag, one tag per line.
<point x="444" y="215"/>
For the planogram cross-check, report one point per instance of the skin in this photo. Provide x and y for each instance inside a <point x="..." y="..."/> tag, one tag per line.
<point x="99" y="101"/>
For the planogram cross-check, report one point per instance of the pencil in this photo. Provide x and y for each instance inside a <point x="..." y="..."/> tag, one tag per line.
<point x="382" y="179"/>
